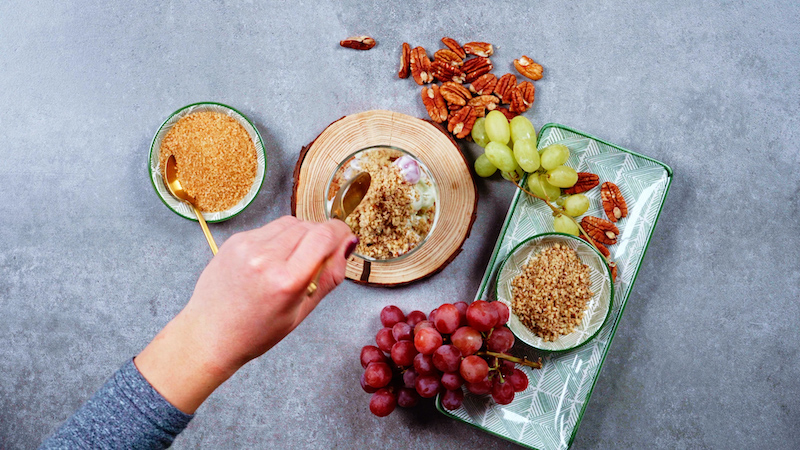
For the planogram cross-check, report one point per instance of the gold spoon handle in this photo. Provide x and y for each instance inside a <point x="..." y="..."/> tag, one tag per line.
<point x="206" y="231"/>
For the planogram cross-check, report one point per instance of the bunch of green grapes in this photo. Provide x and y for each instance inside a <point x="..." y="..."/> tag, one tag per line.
<point x="511" y="148"/>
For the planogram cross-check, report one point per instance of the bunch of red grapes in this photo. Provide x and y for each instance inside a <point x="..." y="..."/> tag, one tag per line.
<point x="456" y="345"/>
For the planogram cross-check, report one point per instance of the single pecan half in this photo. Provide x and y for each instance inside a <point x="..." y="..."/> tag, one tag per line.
<point x="489" y="102"/>
<point x="600" y="229"/>
<point x="480" y="111"/>
<point x="443" y="71"/>
<point x="454" y="46"/>
<point x="527" y="67"/>
<point x="586" y="181"/>
<point x="509" y="115"/>
<point x="613" y="267"/>
<point x="420" y="66"/>
<point x="522" y="97"/>
<point x="484" y="49"/>
<point x="434" y="103"/>
<point x="603" y="249"/>
<point x="405" y="56"/>
<point x="505" y="87"/>
<point x="613" y="202"/>
<point x="455" y="94"/>
<point x="358" y="42"/>
<point x="484" y="84"/>
<point x="448" y="56"/>
<point x="461" y="122"/>
<point x="454" y="106"/>
<point x="476" y="67"/>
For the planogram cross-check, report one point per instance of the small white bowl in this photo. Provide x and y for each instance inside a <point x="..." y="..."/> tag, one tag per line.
<point x="182" y="209"/>
<point x="598" y="308"/>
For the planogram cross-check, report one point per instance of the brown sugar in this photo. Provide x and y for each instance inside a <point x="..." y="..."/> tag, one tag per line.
<point x="215" y="157"/>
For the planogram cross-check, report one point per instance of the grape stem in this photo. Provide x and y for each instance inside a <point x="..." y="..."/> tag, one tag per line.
<point x="560" y="211"/>
<point x="523" y="361"/>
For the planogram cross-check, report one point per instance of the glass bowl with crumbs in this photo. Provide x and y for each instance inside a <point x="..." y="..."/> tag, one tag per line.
<point x="559" y="291"/>
<point x="399" y="210"/>
<point x="220" y="160"/>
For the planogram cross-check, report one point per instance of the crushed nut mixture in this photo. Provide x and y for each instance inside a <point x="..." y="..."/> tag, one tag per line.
<point x="551" y="293"/>
<point x="395" y="215"/>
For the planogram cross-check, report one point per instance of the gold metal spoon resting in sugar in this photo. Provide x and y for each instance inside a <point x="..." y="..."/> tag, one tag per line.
<point x="177" y="191"/>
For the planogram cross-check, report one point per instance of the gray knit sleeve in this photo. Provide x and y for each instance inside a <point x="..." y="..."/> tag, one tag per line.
<point x="126" y="412"/>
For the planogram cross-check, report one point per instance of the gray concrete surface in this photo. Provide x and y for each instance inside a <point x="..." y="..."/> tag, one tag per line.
<point x="93" y="265"/>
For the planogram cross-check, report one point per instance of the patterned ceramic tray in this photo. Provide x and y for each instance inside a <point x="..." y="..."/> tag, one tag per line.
<point x="547" y="414"/>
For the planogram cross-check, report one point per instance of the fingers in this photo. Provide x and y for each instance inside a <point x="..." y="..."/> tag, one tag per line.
<point x="317" y="246"/>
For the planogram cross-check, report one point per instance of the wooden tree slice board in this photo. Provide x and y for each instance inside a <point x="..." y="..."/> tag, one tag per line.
<point x="458" y="195"/>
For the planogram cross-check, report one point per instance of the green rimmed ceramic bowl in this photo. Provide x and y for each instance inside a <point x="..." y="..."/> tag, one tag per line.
<point x="598" y="307"/>
<point x="182" y="209"/>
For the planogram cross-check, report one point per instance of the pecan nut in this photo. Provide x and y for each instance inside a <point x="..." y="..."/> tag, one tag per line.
<point x="420" y="66"/>
<point x="455" y="94"/>
<point x="586" y="181"/>
<point x="505" y="87"/>
<point x="358" y="42"/>
<point x="613" y="266"/>
<point x="461" y="122"/>
<point x="522" y="97"/>
<point x="603" y="249"/>
<point x="528" y="68"/>
<point x="448" y="56"/>
<point x="445" y="72"/>
<point x="454" y="46"/>
<point x="489" y="102"/>
<point x="476" y="67"/>
<point x="613" y="202"/>
<point x="405" y="55"/>
<point x="484" y="49"/>
<point x="434" y="103"/>
<point x="484" y="84"/>
<point x="509" y="115"/>
<point x="600" y="229"/>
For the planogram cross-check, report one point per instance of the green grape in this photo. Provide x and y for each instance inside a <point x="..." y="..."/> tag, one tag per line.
<point x="483" y="167"/>
<point x="539" y="186"/>
<point x="564" y="224"/>
<point x="554" y="156"/>
<point x="522" y="128"/>
<point x="577" y="204"/>
<point x="497" y="127"/>
<point x="500" y="155"/>
<point x="562" y="176"/>
<point x="560" y="201"/>
<point x="515" y="175"/>
<point x="526" y="155"/>
<point x="479" y="132"/>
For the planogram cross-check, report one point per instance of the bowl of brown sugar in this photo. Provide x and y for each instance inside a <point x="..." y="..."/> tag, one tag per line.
<point x="220" y="160"/>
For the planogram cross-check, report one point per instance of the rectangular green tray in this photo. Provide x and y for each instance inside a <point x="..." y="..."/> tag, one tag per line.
<point x="547" y="414"/>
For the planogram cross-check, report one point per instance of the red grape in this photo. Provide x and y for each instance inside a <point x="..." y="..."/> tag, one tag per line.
<point x="370" y="353"/>
<point x="447" y="358"/>
<point x="367" y="388"/>
<point x="410" y="378"/>
<point x="467" y="339"/>
<point x="453" y="399"/>
<point x="407" y="398"/>
<point x="415" y="317"/>
<point x="423" y="324"/>
<point x="447" y="319"/>
<point x="385" y="339"/>
<point x="378" y="374"/>
<point x="402" y="331"/>
<point x="452" y="381"/>
<point x="501" y="340"/>
<point x="518" y="380"/>
<point x="428" y="386"/>
<point x="390" y="315"/>
<point x="480" y="388"/>
<point x="502" y="312"/>
<point x="462" y="312"/>
<point x="481" y="315"/>
<point x="427" y="340"/>
<point x="403" y="353"/>
<point x="432" y="315"/>
<point x="502" y="393"/>
<point x="474" y="368"/>
<point x="423" y="364"/>
<point x="382" y="403"/>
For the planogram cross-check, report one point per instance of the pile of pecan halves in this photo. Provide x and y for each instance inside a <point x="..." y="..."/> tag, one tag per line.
<point x="456" y="65"/>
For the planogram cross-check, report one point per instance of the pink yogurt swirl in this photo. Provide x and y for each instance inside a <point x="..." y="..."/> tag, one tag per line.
<point x="408" y="168"/>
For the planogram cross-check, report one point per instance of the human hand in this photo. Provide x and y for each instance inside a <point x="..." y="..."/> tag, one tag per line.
<point x="249" y="297"/>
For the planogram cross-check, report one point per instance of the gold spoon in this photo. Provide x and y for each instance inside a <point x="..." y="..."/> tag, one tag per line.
<point x="177" y="191"/>
<point x="345" y="202"/>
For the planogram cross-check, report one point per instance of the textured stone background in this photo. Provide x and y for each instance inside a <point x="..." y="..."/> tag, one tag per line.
<point x="93" y="265"/>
